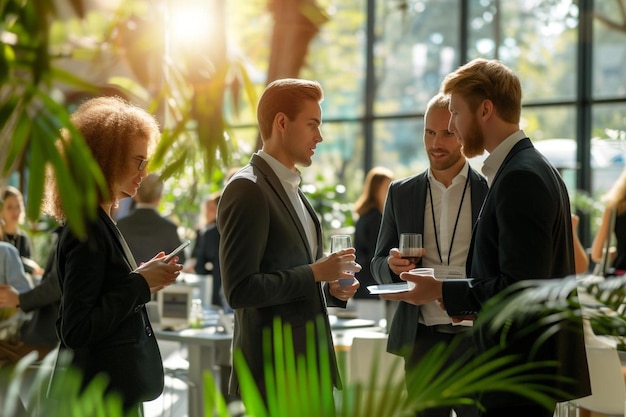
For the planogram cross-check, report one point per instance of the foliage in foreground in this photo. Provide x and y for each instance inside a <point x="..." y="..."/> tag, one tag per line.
<point x="298" y="376"/>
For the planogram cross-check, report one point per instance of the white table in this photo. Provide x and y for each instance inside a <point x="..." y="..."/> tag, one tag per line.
<point x="207" y="350"/>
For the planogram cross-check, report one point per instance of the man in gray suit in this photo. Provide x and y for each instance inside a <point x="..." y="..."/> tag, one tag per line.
<point x="441" y="203"/>
<point x="145" y="230"/>
<point x="271" y="240"/>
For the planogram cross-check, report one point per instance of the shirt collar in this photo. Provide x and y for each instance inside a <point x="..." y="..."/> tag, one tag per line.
<point x="492" y="163"/>
<point x="460" y="177"/>
<point x="282" y="172"/>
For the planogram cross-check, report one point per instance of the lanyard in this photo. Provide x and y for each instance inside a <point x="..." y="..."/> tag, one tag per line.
<point x="456" y="222"/>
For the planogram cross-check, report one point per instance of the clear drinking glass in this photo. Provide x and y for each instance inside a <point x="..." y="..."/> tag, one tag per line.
<point x="411" y="246"/>
<point x="337" y="243"/>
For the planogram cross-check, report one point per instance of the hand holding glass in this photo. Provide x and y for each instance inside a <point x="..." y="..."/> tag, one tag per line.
<point x="337" y="243"/>
<point x="411" y="246"/>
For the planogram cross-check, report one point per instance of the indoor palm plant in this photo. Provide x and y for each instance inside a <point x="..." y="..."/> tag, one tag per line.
<point x="294" y="381"/>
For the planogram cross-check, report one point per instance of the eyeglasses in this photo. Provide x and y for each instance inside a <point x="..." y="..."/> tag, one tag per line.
<point x="142" y="163"/>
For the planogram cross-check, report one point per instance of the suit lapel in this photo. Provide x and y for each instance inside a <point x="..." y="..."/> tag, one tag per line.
<point x="520" y="145"/>
<point x="477" y="208"/>
<point x="119" y="240"/>
<point x="318" y="227"/>
<point x="278" y="188"/>
<point x="418" y="203"/>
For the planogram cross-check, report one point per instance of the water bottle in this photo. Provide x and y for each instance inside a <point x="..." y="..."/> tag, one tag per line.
<point x="196" y="315"/>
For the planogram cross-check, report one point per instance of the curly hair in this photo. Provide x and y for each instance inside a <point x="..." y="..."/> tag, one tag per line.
<point x="109" y="126"/>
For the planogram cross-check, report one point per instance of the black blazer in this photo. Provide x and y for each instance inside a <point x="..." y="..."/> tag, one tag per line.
<point x="102" y="318"/>
<point x="264" y="260"/>
<point x="524" y="232"/>
<point x="404" y="212"/>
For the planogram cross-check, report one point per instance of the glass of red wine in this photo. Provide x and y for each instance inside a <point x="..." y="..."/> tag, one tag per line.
<point x="411" y="246"/>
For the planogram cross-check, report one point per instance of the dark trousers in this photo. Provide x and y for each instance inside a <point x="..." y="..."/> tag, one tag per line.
<point x="427" y="337"/>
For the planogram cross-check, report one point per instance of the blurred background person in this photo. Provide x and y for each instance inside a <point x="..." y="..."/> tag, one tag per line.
<point x="144" y="229"/>
<point x="581" y="258"/>
<point x="12" y="215"/>
<point x="615" y="206"/>
<point x="38" y="332"/>
<point x="369" y="208"/>
<point x="12" y="275"/>
<point x="205" y="255"/>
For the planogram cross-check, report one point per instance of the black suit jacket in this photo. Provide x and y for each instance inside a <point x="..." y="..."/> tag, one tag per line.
<point x="404" y="212"/>
<point x="147" y="233"/>
<point x="264" y="259"/>
<point x="102" y="318"/>
<point x="43" y="301"/>
<point x="523" y="232"/>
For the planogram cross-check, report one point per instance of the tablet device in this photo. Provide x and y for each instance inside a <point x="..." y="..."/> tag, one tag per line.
<point x="396" y="287"/>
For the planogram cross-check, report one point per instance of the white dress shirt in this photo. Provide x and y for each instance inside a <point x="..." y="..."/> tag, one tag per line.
<point x="492" y="163"/>
<point x="291" y="181"/>
<point x="446" y="206"/>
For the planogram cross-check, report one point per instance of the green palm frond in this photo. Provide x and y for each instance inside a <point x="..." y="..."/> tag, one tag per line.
<point x="301" y="385"/>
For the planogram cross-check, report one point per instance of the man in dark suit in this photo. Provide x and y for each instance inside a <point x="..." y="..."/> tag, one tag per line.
<point x="271" y="241"/>
<point x="441" y="203"/>
<point x="145" y="230"/>
<point x="523" y="232"/>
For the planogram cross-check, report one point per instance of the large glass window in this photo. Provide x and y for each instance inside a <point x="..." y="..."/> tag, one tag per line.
<point x="399" y="146"/>
<point x="415" y="47"/>
<point x="415" y="43"/>
<point x="608" y="145"/>
<point x="536" y="39"/>
<point x="609" y="53"/>
<point x="337" y="59"/>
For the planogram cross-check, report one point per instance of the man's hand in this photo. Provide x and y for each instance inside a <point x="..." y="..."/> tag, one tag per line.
<point x="340" y="264"/>
<point x="343" y="292"/>
<point x="399" y="265"/>
<point x="426" y="290"/>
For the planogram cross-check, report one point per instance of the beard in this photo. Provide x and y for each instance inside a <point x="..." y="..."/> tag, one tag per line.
<point x="442" y="165"/>
<point x="473" y="141"/>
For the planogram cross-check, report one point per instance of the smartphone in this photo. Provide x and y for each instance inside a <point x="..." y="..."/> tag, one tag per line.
<point x="176" y="251"/>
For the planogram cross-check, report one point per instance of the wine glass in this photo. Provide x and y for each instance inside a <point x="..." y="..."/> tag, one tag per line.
<point x="411" y="246"/>
<point x="337" y="243"/>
